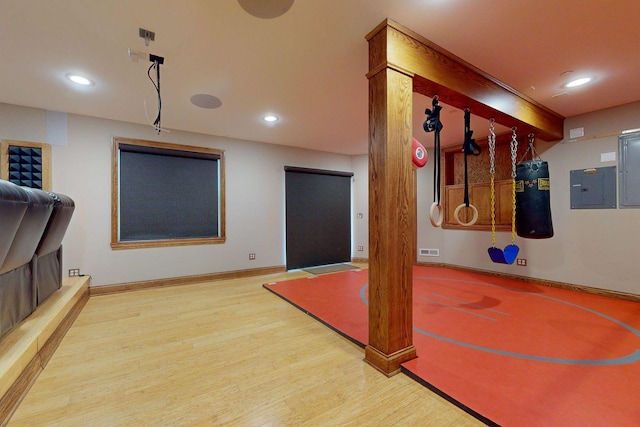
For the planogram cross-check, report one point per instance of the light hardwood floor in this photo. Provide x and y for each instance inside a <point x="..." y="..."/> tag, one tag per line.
<point x="218" y="353"/>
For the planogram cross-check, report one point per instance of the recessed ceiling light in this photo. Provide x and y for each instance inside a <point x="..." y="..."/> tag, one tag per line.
<point x="270" y="118"/>
<point x="78" y="79"/>
<point x="578" y="82"/>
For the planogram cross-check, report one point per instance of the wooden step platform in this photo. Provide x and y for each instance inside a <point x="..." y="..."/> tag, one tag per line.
<point x="26" y="349"/>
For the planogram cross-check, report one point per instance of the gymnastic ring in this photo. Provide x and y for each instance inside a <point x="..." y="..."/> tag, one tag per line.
<point x="473" y="220"/>
<point x="436" y="222"/>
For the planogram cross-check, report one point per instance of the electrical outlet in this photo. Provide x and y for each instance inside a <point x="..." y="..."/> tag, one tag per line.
<point x="521" y="261"/>
<point x="74" y="272"/>
<point x="360" y="248"/>
<point x="252" y="256"/>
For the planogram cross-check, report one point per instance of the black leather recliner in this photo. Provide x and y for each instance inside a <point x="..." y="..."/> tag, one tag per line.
<point x="16" y="285"/>
<point x="13" y="205"/>
<point x="32" y="225"/>
<point x="29" y="233"/>
<point x="49" y="250"/>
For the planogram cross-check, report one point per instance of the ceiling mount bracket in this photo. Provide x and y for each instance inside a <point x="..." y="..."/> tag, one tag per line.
<point x="147" y="35"/>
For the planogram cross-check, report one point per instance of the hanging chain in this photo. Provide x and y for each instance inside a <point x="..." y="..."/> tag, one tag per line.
<point x="532" y="139"/>
<point x="492" y="148"/>
<point x="492" y="170"/>
<point x="531" y="149"/>
<point x="514" y="155"/>
<point x="514" y="152"/>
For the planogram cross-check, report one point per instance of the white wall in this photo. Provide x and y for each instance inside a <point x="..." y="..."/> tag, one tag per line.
<point x="81" y="169"/>
<point x="360" y="200"/>
<point x="596" y="247"/>
<point x="591" y="247"/>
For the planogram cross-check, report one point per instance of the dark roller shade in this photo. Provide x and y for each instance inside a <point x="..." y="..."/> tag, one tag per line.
<point x="167" y="194"/>
<point x="318" y="217"/>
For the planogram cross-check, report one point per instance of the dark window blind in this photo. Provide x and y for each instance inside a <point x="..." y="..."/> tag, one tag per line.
<point x="167" y="194"/>
<point x="318" y="217"/>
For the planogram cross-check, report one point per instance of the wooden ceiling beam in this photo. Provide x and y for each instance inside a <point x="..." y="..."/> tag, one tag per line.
<point x="436" y="71"/>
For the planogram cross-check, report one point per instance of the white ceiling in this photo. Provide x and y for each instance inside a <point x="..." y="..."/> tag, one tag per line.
<point x="307" y="66"/>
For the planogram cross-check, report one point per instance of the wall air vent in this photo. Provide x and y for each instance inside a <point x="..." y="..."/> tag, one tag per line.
<point x="429" y="252"/>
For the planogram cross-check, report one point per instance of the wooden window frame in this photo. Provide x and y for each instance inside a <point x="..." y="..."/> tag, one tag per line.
<point x="115" y="192"/>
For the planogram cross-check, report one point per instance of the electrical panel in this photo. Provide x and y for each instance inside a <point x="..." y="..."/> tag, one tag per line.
<point x="629" y="146"/>
<point x="593" y="188"/>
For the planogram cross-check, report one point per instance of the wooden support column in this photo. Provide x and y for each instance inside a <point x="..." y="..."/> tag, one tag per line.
<point x="402" y="62"/>
<point x="392" y="216"/>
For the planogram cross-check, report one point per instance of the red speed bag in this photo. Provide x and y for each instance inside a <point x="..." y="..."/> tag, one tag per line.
<point x="419" y="153"/>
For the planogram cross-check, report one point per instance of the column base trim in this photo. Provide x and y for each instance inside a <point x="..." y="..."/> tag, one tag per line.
<point x="388" y="364"/>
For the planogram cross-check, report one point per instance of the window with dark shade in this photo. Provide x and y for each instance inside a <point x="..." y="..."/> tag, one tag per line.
<point x="318" y="217"/>
<point x="166" y="194"/>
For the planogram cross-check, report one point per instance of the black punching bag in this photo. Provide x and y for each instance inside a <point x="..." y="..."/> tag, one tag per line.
<point x="533" y="208"/>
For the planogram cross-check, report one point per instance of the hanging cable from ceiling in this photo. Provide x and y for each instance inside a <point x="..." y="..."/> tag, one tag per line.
<point x="156" y="62"/>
